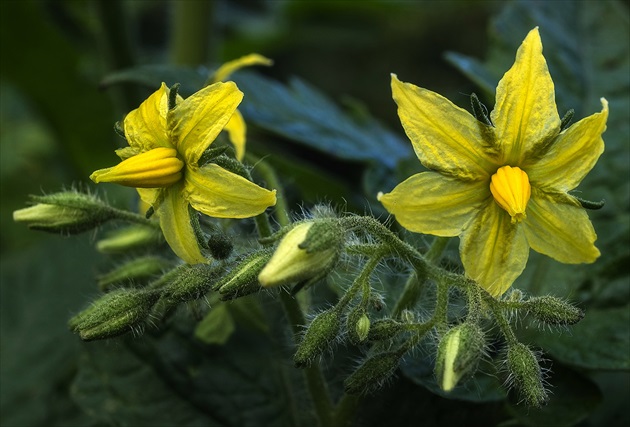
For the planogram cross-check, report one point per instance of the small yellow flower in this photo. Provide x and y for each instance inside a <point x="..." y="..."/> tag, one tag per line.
<point x="236" y="128"/>
<point x="501" y="188"/>
<point x="162" y="163"/>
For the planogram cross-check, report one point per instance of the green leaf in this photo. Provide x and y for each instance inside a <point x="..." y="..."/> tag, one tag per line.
<point x="300" y="112"/>
<point x="173" y="379"/>
<point x="151" y="76"/>
<point x="40" y="288"/>
<point x="216" y="327"/>
<point x="599" y="341"/>
<point x="574" y="398"/>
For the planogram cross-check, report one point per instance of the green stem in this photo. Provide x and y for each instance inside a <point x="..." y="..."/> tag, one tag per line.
<point x="499" y="316"/>
<point x="346" y="410"/>
<point x="437" y="248"/>
<point x="360" y="281"/>
<point x="190" y="42"/>
<point x="134" y="217"/>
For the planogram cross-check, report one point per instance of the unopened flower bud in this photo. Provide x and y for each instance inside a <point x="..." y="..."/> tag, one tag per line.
<point x="554" y="311"/>
<point x="358" y="325"/>
<point x="384" y="329"/>
<point x="322" y="331"/>
<point x="68" y="212"/>
<point x="130" y="238"/>
<point x="191" y="282"/>
<point x="458" y="354"/>
<point x="137" y="269"/>
<point x="526" y="375"/>
<point x="243" y="279"/>
<point x="372" y="373"/>
<point x="113" y="314"/>
<point x="307" y="252"/>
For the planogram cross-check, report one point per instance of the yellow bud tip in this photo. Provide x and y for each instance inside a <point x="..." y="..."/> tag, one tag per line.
<point x="156" y="168"/>
<point x="511" y="190"/>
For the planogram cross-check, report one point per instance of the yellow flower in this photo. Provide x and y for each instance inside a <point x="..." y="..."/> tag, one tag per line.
<point x="501" y="188"/>
<point x="165" y="146"/>
<point x="236" y="128"/>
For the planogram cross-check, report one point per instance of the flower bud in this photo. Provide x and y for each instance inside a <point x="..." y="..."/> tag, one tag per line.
<point x="526" y="375"/>
<point x="68" y="212"/>
<point x="243" y="279"/>
<point x="307" y="252"/>
<point x="191" y="282"/>
<point x="113" y="314"/>
<point x="384" y="329"/>
<point x="137" y="269"/>
<point x="458" y="354"/>
<point x="372" y="373"/>
<point x="130" y="238"/>
<point x="358" y="325"/>
<point x="220" y="246"/>
<point x="322" y="331"/>
<point x="553" y="311"/>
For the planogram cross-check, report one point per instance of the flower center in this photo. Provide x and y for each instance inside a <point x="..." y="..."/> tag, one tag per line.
<point x="155" y="168"/>
<point x="511" y="190"/>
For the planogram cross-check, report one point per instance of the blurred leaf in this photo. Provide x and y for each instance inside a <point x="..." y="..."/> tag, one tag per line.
<point x="573" y="398"/>
<point x="172" y="379"/>
<point x="46" y="68"/>
<point x="40" y="289"/>
<point x="599" y="341"/>
<point x="300" y="112"/>
<point x="216" y="327"/>
<point x="151" y="76"/>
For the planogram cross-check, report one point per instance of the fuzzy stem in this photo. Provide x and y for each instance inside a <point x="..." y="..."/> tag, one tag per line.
<point x="499" y="316"/>
<point x="133" y="217"/>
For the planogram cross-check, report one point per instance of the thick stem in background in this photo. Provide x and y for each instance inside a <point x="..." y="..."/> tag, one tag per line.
<point x="190" y="32"/>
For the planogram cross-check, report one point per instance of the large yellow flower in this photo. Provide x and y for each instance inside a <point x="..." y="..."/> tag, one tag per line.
<point x="502" y="188"/>
<point x="162" y="162"/>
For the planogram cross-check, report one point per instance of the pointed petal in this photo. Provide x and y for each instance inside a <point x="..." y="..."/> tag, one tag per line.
<point x="236" y="130"/>
<point x="557" y="226"/>
<point x="195" y="122"/>
<point x="445" y="137"/>
<point x="525" y="113"/>
<point x="174" y="218"/>
<point x="222" y="194"/>
<point x="145" y="127"/>
<point x="431" y="203"/>
<point x="572" y="155"/>
<point x="245" y="61"/>
<point x="493" y="250"/>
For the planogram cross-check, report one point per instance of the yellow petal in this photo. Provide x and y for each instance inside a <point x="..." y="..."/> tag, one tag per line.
<point x="431" y="203"/>
<point x="174" y="216"/>
<point x="493" y="250"/>
<point x="195" y="122"/>
<point x="155" y="168"/>
<point x="557" y="226"/>
<point x="150" y="197"/>
<point x="236" y="130"/>
<point x="222" y="194"/>
<point x="145" y="127"/>
<point x="445" y="137"/>
<point x="245" y="61"/>
<point x="572" y="155"/>
<point x="525" y="113"/>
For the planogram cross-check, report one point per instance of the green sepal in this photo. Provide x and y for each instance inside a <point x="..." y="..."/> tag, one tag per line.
<point x="191" y="282"/>
<point x="553" y="311"/>
<point x="566" y="119"/>
<point x="526" y="375"/>
<point x="372" y="373"/>
<point x="211" y="154"/>
<point x="479" y="110"/>
<point x="120" y="130"/>
<point x="114" y="314"/>
<point x="321" y="333"/>
<point x="587" y="204"/>
<point x="133" y="273"/>
<point x="172" y="96"/>
<point x="385" y="329"/>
